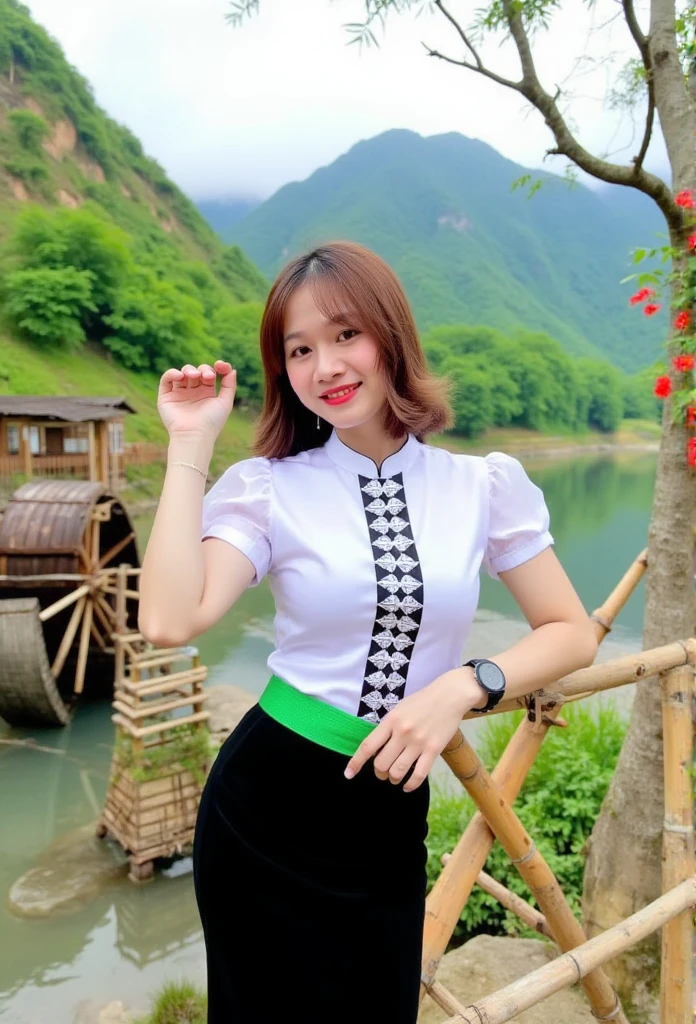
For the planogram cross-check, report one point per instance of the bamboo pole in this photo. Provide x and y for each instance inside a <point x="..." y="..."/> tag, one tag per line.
<point x="63" y="602"/>
<point x="83" y="650"/>
<point x="630" y="668"/>
<point x="508" y="1002"/>
<point x="444" y="999"/>
<point x="453" y="887"/>
<point x="514" y="903"/>
<point x="120" y="616"/>
<point x="520" y="848"/>
<point x="511" y="901"/>
<point x="68" y="637"/>
<point x="678" y="864"/>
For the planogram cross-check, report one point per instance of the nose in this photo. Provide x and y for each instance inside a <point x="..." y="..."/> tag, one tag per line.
<point x="329" y="364"/>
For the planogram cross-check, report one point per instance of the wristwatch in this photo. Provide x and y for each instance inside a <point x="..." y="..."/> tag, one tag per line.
<point x="490" y="678"/>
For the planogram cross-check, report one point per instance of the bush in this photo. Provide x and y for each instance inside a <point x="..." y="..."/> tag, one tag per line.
<point x="178" y="1003"/>
<point x="48" y="305"/>
<point x="558" y="806"/>
<point x="29" y="128"/>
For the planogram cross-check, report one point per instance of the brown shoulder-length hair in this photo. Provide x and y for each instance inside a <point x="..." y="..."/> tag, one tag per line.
<point x="348" y="278"/>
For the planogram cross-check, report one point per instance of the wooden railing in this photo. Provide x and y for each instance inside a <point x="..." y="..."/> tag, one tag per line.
<point x="140" y="453"/>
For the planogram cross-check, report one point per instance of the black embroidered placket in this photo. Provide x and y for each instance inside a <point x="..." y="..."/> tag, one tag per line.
<point x="399" y="595"/>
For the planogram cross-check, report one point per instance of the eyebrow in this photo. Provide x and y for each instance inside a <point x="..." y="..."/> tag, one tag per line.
<point x="342" y="317"/>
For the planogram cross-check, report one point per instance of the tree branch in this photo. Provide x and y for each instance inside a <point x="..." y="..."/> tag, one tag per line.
<point x="473" y="67"/>
<point x="641" y="41"/>
<point x="566" y="143"/>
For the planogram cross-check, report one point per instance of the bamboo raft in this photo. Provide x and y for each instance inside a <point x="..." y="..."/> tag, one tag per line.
<point x="494" y="794"/>
<point x="60" y="542"/>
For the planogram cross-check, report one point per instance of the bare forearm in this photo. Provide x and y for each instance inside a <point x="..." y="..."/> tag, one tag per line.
<point x="545" y="655"/>
<point x="172" y="577"/>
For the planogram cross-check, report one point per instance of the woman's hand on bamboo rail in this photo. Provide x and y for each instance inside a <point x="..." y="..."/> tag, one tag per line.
<point x="187" y="585"/>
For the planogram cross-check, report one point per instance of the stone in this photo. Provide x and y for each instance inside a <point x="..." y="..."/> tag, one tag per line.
<point x="227" y="706"/>
<point x="489" y="962"/>
<point x="71" y="871"/>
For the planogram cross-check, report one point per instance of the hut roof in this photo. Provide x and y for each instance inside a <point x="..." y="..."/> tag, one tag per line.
<point x="72" y="408"/>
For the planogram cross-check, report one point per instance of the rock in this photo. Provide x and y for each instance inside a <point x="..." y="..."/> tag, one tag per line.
<point x="227" y="706"/>
<point x="487" y="963"/>
<point x="90" y="1012"/>
<point x="113" y="1013"/>
<point x="70" y="871"/>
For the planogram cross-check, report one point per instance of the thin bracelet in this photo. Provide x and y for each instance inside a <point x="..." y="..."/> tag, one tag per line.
<point x="191" y="466"/>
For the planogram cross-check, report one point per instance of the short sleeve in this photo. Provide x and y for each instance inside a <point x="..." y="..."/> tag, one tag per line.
<point x="518" y="527"/>
<point x="237" y="509"/>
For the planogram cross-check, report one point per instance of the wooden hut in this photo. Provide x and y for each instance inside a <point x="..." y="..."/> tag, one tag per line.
<point x="66" y="436"/>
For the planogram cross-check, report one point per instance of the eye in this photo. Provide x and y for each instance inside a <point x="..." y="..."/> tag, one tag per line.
<point x="348" y="334"/>
<point x="300" y="350"/>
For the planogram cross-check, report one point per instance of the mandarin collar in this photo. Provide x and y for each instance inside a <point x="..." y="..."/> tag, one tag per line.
<point x="354" y="462"/>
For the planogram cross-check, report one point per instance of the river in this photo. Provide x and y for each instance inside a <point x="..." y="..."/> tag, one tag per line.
<point x="125" y="941"/>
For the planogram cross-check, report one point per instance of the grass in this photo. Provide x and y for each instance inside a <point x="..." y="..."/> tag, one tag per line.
<point x="177" y="1002"/>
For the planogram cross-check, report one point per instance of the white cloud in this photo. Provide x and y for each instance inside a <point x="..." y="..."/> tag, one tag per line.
<point x="242" y="111"/>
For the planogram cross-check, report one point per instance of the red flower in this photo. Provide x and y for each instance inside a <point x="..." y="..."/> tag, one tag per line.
<point x="685" y="199"/>
<point x="691" y="451"/>
<point x="691" y="241"/>
<point x="681" y="321"/>
<point x="691" y="416"/>
<point x="682" y="364"/>
<point x="651" y="308"/>
<point x="663" y="387"/>
<point x="641" y="296"/>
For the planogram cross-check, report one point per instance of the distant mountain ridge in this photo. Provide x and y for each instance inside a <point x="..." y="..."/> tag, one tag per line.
<point x="442" y="212"/>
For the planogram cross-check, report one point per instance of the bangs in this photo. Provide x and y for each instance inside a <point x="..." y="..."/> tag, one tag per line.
<point x="333" y="299"/>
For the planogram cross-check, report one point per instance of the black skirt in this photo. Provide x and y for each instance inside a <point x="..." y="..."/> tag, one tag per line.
<point x="310" y="887"/>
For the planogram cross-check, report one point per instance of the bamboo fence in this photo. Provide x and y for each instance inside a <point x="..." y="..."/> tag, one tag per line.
<point x="494" y="794"/>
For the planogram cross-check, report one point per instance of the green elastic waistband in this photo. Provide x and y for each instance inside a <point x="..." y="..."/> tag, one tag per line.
<point x="312" y="718"/>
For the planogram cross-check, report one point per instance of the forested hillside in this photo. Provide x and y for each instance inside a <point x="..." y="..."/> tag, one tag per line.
<point x="468" y="248"/>
<point x="96" y="243"/>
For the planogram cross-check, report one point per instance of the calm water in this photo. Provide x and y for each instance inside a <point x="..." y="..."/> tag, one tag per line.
<point x="126" y="940"/>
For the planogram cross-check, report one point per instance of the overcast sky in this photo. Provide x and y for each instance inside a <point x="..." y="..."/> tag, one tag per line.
<point x="240" y="112"/>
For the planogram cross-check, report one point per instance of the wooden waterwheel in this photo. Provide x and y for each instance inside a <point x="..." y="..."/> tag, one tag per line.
<point x="61" y="542"/>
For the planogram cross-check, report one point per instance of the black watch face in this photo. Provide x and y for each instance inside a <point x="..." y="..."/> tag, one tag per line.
<point x="491" y="676"/>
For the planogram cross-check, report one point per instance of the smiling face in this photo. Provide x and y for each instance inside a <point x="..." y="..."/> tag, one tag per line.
<point x="332" y="364"/>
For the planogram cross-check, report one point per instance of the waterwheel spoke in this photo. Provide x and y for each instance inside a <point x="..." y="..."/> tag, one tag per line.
<point x="84" y="648"/>
<point x="113" y="551"/>
<point x="68" y="637"/>
<point x="105" y="613"/>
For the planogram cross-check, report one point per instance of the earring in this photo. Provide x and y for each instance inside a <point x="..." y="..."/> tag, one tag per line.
<point x="318" y="424"/>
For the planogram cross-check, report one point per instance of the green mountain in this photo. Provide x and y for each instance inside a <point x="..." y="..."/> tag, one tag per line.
<point x="96" y="229"/>
<point x="469" y="249"/>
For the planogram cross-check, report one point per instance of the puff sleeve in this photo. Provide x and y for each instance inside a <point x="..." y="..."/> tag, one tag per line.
<point x="518" y="523"/>
<point x="237" y="509"/>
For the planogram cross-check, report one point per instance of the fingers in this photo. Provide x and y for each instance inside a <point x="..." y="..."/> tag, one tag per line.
<point x="420" y="772"/>
<point x="191" y="377"/>
<point x="367" y="749"/>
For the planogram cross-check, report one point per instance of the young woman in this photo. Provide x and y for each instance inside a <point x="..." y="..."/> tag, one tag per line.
<point x="309" y="857"/>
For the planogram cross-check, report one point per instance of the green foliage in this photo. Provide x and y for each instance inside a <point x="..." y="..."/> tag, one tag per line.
<point x="190" y="751"/>
<point x="29" y="128"/>
<point x="155" y="325"/>
<point x="527" y="380"/>
<point x="236" y="328"/>
<point x="79" y="239"/>
<point x="558" y="806"/>
<point x="31" y="171"/>
<point x="48" y="305"/>
<point x="178" y="1002"/>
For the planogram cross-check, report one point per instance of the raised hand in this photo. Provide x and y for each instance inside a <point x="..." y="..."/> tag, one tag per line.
<point x="187" y="402"/>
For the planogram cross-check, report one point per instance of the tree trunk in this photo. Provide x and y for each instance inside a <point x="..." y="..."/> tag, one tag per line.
<point x="623" y="869"/>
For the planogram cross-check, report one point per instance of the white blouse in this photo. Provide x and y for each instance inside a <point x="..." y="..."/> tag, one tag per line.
<point x="375" y="575"/>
